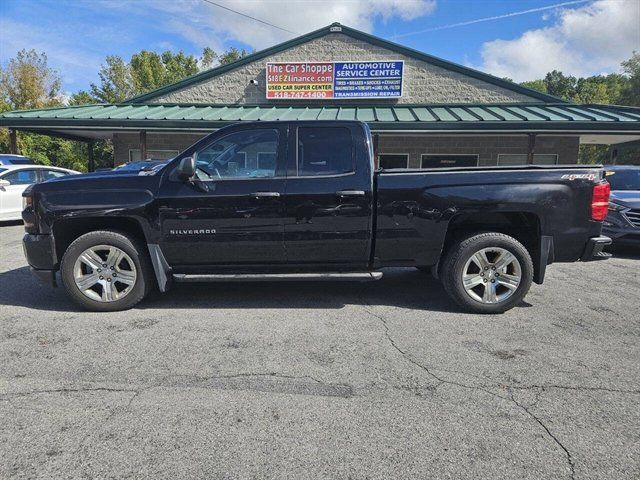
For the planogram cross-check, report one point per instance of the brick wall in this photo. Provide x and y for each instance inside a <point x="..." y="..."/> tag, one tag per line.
<point x="487" y="147"/>
<point x="423" y="82"/>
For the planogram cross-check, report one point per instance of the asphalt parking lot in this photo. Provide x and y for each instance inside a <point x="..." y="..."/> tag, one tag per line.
<point x="382" y="380"/>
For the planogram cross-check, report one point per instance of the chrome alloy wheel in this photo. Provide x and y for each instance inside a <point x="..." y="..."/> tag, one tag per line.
<point x="491" y="275"/>
<point x="104" y="273"/>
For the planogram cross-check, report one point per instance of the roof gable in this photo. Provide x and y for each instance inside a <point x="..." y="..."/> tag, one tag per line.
<point x="355" y="34"/>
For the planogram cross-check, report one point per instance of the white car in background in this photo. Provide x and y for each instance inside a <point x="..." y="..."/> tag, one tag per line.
<point x="14" y="179"/>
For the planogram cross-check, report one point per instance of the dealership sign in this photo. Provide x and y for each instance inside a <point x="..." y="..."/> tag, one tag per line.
<point x="329" y="80"/>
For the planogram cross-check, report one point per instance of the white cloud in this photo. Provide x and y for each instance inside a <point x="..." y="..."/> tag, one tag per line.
<point x="76" y="65"/>
<point x="204" y="24"/>
<point x="583" y="41"/>
<point x="77" y="37"/>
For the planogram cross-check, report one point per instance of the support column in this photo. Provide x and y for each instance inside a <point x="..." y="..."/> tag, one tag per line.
<point x="143" y="145"/>
<point x="531" y="149"/>
<point x="92" y="165"/>
<point x="13" y="140"/>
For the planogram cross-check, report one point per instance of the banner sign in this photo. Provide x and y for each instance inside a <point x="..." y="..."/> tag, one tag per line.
<point x="328" y="80"/>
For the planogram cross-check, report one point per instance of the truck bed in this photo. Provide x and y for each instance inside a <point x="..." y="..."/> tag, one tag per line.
<point x="417" y="207"/>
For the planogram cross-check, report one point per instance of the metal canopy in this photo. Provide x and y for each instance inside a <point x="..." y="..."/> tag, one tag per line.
<point x="503" y="118"/>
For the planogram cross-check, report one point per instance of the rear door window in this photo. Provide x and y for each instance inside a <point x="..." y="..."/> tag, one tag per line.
<point x="324" y="151"/>
<point x="49" y="174"/>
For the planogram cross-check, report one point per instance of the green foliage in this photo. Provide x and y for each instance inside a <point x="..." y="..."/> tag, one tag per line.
<point x="232" y="55"/>
<point x="147" y="71"/>
<point x="537" y="85"/>
<point x="630" y="92"/>
<point x="116" y="83"/>
<point x="208" y="58"/>
<point x="614" y="89"/>
<point x="29" y="82"/>
<point x="81" y="98"/>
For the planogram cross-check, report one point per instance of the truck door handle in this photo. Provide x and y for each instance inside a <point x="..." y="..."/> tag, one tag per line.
<point x="350" y="193"/>
<point x="265" y="194"/>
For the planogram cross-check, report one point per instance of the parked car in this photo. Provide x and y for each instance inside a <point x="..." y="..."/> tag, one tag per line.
<point x="300" y="201"/>
<point x="623" y="221"/>
<point x="11" y="159"/>
<point x="14" y="179"/>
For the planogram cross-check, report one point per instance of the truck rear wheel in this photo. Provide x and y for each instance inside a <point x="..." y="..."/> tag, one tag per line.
<point x="487" y="273"/>
<point x="106" y="271"/>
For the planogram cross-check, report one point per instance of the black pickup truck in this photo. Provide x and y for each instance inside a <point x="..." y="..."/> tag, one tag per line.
<point x="301" y="201"/>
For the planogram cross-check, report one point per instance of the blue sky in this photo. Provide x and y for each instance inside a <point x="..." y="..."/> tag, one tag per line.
<point x="581" y="38"/>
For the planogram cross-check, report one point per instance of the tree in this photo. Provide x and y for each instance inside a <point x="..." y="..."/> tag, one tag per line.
<point x="147" y="71"/>
<point x="538" y="85"/>
<point x="560" y="85"/>
<point x="208" y="58"/>
<point x="29" y="82"/>
<point x="116" y="84"/>
<point x="81" y="98"/>
<point x="630" y="93"/>
<point x="232" y="55"/>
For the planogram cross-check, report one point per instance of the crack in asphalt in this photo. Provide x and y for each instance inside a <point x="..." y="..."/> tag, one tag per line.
<point x="270" y="374"/>
<point x="577" y="388"/>
<point x="473" y="387"/>
<point x="572" y="467"/>
<point x="66" y="390"/>
<point x="411" y="360"/>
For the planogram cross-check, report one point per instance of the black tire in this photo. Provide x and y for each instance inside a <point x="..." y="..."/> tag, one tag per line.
<point x="451" y="272"/>
<point x="133" y="248"/>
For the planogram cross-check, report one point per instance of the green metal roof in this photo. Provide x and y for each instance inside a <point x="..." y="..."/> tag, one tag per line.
<point x="544" y="116"/>
<point x="358" y="35"/>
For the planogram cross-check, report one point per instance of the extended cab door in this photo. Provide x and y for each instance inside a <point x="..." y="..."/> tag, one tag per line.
<point x="232" y="212"/>
<point x="328" y="197"/>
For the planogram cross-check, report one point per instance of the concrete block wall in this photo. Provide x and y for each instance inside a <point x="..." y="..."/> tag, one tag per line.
<point x="487" y="147"/>
<point x="123" y="142"/>
<point x="423" y="82"/>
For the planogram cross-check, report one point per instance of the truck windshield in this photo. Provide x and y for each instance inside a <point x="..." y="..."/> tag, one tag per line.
<point x="624" y="179"/>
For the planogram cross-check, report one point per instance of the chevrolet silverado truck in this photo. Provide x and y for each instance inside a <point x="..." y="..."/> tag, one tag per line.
<point x="303" y="201"/>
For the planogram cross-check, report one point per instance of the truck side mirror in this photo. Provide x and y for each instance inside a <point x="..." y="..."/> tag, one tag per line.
<point x="4" y="183"/>
<point x="186" y="168"/>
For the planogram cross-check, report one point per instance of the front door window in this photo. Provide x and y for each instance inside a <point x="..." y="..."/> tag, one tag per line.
<point x="245" y="154"/>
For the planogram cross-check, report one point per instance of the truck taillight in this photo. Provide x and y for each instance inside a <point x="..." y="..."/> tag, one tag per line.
<point x="600" y="201"/>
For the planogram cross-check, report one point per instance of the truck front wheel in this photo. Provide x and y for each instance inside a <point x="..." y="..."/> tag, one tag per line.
<point x="487" y="273"/>
<point x="106" y="271"/>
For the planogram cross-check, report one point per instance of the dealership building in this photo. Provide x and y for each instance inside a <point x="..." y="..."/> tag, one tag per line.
<point x="425" y="112"/>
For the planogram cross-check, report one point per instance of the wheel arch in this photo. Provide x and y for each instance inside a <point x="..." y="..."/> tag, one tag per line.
<point x="524" y="226"/>
<point x="66" y="230"/>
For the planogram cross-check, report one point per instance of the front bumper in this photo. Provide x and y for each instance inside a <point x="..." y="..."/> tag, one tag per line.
<point x="39" y="251"/>
<point x="593" y="250"/>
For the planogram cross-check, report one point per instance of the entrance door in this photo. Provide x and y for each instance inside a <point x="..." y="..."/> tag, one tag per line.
<point x="232" y="212"/>
<point x="328" y="197"/>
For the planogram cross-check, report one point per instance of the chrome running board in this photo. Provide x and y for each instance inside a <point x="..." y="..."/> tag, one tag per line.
<point x="277" y="277"/>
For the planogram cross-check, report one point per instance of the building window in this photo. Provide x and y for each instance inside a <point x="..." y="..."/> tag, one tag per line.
<point x="393" y="160"/>
<point x="134" y="154"/>
<point x="509" y="159"/>
<point x="442" y="160"/>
